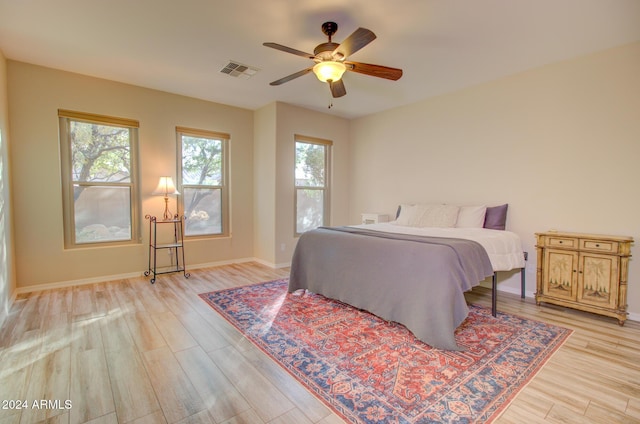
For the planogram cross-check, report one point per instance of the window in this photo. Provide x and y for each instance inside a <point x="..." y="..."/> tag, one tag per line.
<point x="311" y="183"/>
<point x="99" y="179"/>
<point x="203" y="178"/>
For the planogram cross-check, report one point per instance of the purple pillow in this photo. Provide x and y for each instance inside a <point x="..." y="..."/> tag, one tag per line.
<point x="496" y="217"/>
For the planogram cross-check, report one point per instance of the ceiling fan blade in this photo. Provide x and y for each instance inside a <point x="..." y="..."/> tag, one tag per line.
<point x="357" y="40"/>
<point x="292" y="76"/>
<point x="337" y="88"/>
<point x="288" y="50"/>
<point x="375" y="70"/>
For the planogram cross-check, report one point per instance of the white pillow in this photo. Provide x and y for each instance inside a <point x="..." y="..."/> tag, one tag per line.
<point x="471" y="216"/>
<point x="408" y="215"/>
<point x="442" y="216"/>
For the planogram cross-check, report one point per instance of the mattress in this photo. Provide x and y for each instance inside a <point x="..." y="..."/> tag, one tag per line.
<point x="503" y="247"/>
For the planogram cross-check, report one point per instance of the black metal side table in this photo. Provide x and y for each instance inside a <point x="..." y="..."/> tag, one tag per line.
<point x="175" y="247"/>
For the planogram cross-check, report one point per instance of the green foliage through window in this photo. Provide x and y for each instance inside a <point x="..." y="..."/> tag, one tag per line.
<point x="203" y="181"/>
<point x="311" y="186"/>
<point x="99" y="184"/>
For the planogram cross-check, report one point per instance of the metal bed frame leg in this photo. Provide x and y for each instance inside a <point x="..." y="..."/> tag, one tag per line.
<point x="522" y="276"/>
<point x="494" y="287"/>
<point x="494" y="294"/>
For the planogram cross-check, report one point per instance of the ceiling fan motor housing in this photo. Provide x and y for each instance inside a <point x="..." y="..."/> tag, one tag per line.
<point x="328" y="28"/>
<point x="327" y="49"/>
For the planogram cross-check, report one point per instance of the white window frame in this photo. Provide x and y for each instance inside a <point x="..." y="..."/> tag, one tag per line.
<point x="223" y="187"/>
<point x="327" y="180"/>
<point x="65" y="117"/>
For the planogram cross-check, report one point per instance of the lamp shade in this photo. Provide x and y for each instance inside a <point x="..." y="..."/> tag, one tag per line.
<point x="165" y="187"/>
<point x="329" y="70"/>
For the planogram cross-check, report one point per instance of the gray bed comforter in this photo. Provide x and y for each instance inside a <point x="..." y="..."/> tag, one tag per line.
<point x="416" y="281"/>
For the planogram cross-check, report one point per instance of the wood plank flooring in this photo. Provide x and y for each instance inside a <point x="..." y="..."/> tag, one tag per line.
<point x="130" y="352"/>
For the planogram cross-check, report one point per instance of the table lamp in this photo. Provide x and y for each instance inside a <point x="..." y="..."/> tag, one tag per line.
<point x="165" y="188"/>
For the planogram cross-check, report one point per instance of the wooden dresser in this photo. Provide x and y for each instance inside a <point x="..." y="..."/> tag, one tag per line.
<point x="584" y="271"/>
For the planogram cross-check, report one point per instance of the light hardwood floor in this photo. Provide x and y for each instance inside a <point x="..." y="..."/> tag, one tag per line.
<point x="131" y="352"/>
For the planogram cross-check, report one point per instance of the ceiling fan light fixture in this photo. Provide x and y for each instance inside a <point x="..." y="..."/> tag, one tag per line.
<point x="329" y="70"/>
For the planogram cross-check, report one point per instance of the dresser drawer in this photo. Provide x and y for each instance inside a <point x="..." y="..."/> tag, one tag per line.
<point x="599" y="246"/>
<point x="566" y="242"/>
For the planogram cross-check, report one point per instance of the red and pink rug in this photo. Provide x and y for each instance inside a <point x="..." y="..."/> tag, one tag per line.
<point x="371" y="371"/>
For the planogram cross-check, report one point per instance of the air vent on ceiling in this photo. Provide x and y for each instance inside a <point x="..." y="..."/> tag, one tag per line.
<point x="238" y="70"/>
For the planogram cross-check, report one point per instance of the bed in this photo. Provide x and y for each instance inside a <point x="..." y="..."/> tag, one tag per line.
<point x="405" y="271"/>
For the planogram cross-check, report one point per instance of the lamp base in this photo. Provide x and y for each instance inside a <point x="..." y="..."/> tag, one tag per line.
<point x="167" y="216"/>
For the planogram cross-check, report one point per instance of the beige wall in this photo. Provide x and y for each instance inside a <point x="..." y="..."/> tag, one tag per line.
<point x="7" y="274"/>
<point x="35" y="95"/>
<point x="293" y="120"/>
<point x="276" y="126"/>
<point x="264" y="170"/>
<point x="560" y="144"/>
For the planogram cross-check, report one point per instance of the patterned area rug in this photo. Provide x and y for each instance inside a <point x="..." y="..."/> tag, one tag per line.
<point x="371" y="371"/>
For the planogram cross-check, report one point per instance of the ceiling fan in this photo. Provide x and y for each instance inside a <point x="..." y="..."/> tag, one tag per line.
<point x="331" y="60"/>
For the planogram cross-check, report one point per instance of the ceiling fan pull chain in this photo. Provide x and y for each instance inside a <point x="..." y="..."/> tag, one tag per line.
<point x="330" y="100"/>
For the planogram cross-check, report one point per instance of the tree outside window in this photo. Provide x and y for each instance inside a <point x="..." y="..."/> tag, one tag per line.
<point x="311" y="183"/>
<point x="204" y="181"/>
<point x="99" y="178"/>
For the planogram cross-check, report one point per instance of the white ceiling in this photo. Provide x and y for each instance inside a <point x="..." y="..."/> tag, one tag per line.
<point x="180" y="46"/>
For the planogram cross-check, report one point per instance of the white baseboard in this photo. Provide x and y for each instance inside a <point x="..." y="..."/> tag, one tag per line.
<point x="271" y="264"/>
<point x="243" y="260"/>
<point x="220" y="263"/>
<point x="73" y="283"/>
<point x="631" y="317"/>
<point x="514" y="290"/>
<point x="532" y="294"/>
<point x="113" y="277"/>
